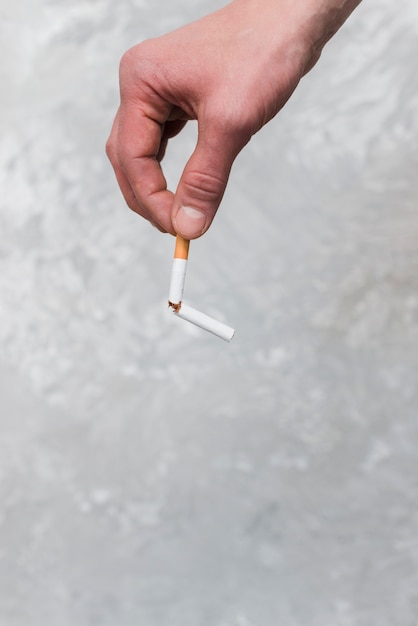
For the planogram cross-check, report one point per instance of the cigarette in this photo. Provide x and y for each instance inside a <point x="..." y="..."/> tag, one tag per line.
<point x="175" y="298"/>
<point x="197" y="318"/>
<point x="178" y="272"/>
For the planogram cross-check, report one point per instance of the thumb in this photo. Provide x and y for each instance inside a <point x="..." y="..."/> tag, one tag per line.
<point x="202" y="185"/>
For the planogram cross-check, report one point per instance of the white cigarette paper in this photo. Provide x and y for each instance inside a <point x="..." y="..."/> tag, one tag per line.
<point x="175" y="298"/>
<point x="197" y="318"/>
<point x="178" y="277"/>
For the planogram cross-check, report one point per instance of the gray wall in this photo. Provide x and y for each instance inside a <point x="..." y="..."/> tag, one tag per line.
<point x="152" y="475"/>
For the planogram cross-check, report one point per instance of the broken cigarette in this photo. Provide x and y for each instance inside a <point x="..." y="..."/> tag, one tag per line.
<point x="175" y="298"/>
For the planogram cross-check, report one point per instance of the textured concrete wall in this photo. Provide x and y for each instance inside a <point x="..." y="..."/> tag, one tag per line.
<point x="151" y="475"/>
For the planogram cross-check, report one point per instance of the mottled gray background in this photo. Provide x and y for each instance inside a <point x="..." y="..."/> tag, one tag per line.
<point x="150" y="474"/>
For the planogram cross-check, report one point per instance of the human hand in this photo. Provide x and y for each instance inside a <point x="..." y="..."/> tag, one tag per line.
<point x="232" y="71"/>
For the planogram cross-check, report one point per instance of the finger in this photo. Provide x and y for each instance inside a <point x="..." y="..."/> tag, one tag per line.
<point x="204" y="180"/>
<point x="125" y="187"/>
<point x="139" y="142"/>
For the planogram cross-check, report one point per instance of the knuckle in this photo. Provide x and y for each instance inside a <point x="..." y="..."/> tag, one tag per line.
<point x="137" y="63"/>
<point x="114" y="154"/>
<point x="127" y="60"/>
<point x="110" y="151"/>
<point x="129" y="69"/>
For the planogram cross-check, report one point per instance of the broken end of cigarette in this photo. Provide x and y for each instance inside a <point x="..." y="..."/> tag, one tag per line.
<point x="175" y="307"/>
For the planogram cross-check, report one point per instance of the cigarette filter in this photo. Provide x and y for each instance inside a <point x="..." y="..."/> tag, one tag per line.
<point x="175" y="298"/>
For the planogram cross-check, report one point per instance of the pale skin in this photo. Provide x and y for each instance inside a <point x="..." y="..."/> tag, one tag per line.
<point x="232" y="71"/>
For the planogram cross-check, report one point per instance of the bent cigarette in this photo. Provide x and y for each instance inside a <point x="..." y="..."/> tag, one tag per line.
<point x="175" y="298"/>
<point x="197" y="318"/>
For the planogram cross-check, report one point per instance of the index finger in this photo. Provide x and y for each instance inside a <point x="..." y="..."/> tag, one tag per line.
<point x="138" y="145"/>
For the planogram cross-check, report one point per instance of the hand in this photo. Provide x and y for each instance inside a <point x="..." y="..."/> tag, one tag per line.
<point x="232" y="71"/>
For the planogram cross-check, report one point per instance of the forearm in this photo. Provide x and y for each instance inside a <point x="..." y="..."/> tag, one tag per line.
<point x="325" y="19"/>
<point x="310" y="23"/>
